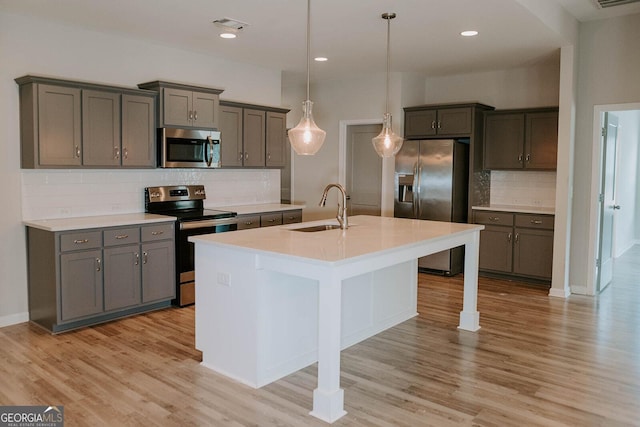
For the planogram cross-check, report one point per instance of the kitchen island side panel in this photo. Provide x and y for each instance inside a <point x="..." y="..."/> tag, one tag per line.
<point x="263" y="325"/>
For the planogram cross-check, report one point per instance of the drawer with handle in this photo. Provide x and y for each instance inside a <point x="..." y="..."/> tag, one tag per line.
<point x="248" y="221"/>
<point x="544" y="222"/>
<point x="157" y="232"/>
<point x="121" y="236"/>
<point x="291" y="217"/>
<point x="493" y="218"/>
<point x="81" y="240"/>
<point x="267" y="220"/>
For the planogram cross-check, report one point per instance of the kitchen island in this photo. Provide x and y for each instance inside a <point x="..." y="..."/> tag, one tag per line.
<point x="271" y="301"/>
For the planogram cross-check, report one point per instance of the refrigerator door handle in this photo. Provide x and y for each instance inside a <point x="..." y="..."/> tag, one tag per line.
<point x="416" y="190"/>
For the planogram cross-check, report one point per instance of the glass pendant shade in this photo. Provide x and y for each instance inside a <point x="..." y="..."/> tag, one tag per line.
<point x="306" y="138"/>
<point x="387" y="143"/>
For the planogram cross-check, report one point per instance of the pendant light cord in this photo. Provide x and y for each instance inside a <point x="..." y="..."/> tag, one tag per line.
<point x="388" y="58"/>
<point x="308" y="44"/>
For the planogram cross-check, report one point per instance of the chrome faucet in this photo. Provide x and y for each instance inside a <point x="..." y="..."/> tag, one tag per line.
<point x="342" y="210"/>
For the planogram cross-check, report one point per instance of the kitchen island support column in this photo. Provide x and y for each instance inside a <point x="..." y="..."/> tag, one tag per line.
<point x="328" y="397"/>
<point x="469" y="316"/>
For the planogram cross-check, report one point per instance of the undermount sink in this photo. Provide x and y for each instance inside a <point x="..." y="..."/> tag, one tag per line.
<point x="321" y="227"/>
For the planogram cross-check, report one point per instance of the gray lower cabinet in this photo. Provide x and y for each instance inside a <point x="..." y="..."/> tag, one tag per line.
<point x="81" y="284"/>
<point x="73" y="124"/>
<point x="84" y="277"/>
<point x="268" y="219"/>
<point x="252" y="136"/>
<point x="516" y="244"/>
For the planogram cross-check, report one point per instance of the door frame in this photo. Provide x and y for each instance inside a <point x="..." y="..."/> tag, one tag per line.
<point x="596" y="180"/>
<point x="388" y="164"/>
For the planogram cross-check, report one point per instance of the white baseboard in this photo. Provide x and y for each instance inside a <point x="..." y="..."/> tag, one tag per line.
<point x="14" y="319"/>
<point x="580" y="290"/>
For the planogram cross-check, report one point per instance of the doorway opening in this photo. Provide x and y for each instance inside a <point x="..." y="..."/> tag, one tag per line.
<point x="616" y="192"/>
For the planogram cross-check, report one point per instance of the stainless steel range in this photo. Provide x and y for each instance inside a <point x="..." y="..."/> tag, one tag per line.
<point x="186" y="202"/>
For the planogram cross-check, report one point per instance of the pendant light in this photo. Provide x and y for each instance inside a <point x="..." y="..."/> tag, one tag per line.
<point x="307" y="138"/>
<point x="387" y="143"/>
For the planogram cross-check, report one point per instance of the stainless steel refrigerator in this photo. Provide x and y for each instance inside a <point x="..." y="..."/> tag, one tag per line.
<point x="431" y="183"/>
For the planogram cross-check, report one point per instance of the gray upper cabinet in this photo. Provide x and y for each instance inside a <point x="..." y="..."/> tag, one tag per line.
<point x="50" y="126"/>
<point x="254" y="128"/>
<point x="231" y="152"/>
<point x="100" y="128"/>
<point x="276" y="139"/>
<point x="138" y="131"/>
<point x="521" y="139"/>
<point x="186" y="106"/>
<point x="428" y="122"/>
<point x="71" y="124"/>
<point x="252" y="135"/>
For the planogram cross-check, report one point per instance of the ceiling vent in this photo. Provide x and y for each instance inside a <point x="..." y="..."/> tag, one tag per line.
<point x="230" y="24"/>
<point x="603" y="4"/>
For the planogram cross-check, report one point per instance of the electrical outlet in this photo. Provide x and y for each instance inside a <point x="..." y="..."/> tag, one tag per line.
<point x="223" y="279"/>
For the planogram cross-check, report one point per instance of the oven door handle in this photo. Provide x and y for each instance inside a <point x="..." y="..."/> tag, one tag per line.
<point x="190" y="225"/>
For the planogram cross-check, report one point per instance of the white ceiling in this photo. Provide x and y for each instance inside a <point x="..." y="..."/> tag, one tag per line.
<point x="424" y="36"/>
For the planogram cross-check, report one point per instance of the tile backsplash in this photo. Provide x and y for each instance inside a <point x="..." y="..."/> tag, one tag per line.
<point x="75" y="193"/>
<point x="523" y="188"/>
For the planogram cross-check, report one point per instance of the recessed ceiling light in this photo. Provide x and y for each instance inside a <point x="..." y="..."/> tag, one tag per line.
<point x="469" y="33"/>
<point x="321" y="59"/>
<point x="228" y="35"/>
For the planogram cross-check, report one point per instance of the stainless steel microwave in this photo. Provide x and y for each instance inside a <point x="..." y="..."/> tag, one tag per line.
<point x="188" y="148"/>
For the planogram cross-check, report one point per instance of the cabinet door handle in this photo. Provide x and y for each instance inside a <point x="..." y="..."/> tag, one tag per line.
<point x="268" y="156"/>
<point x="536" y="221"/>
<point x="80" y="241"/>
<point x="77" y="151"/>
<point x="509" y="238"/>
<point x="517" y="237"/>
<point x="240" y="155"/>
<point x="271" y="220"/>
<point x="122" y="236"/>
<point x="433" y="124"/>
<point x="246" y="156"/>
<point x="126" y="153"/>
<point x="494" y="218"/>
<point x="157" y="233"/>
<point x="190" y="115"/>
<point x="195" y="114"/>
<point x="520" y="158"/>
<point x="116" y="153"/>
<point x="98" y="264"/>
<point x="528" y="159"/>
<point x="137" y="259"/>
<point x="248" y="223"/>
<point x="439" y="124"/>
<point x="144" y="257"/>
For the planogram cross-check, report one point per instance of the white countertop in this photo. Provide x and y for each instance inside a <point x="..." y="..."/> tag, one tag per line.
<point x="517" y="209"/>
<point x="101" y="221"/>
<point x="366" y="235"/>
<point x="258" y="208"/>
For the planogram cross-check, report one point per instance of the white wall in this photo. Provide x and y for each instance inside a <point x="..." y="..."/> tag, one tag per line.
<point x="608" y="64"/>
<point x="533" y="86"/>
<point x="628" y="154"/>
<point x="29" y="46"/>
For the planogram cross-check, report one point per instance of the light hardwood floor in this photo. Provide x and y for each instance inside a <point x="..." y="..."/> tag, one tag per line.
<point x="537" y="361"/>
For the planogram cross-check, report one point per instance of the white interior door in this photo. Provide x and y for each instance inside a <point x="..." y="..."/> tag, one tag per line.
<point x="363" y="171"/>
<point x="607" y="200"/>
